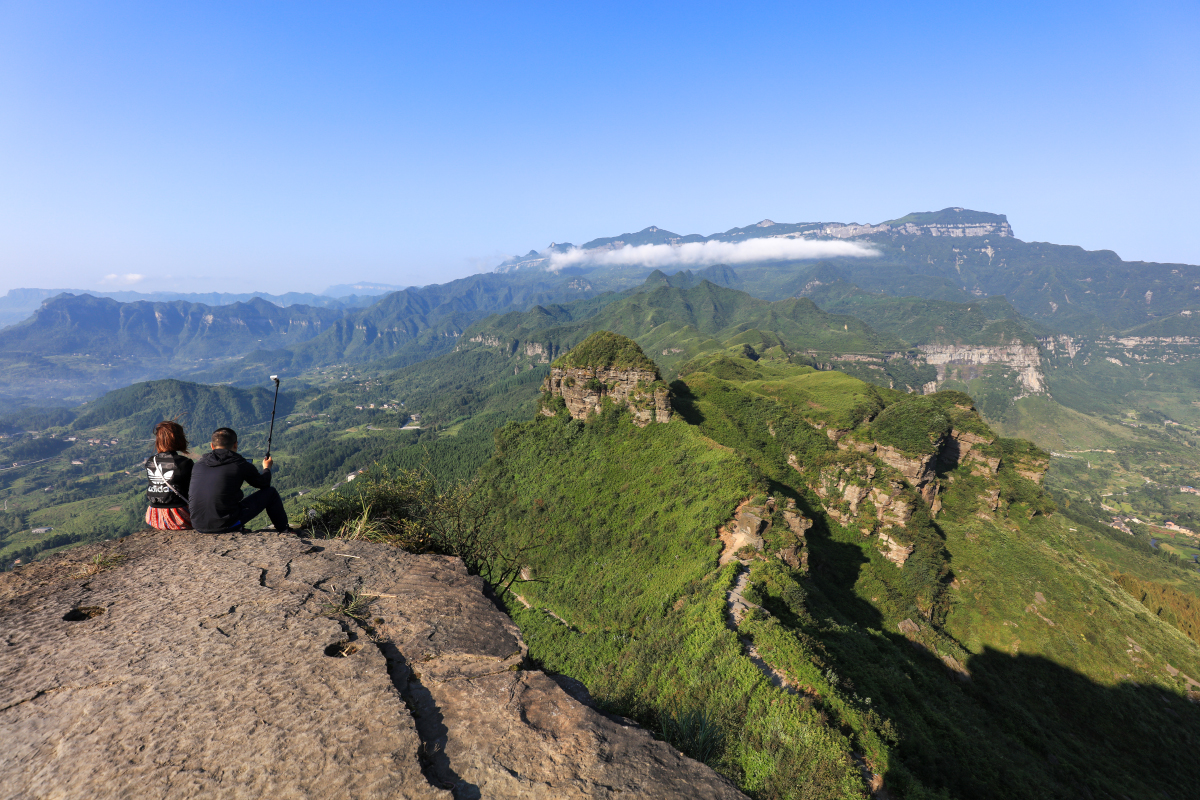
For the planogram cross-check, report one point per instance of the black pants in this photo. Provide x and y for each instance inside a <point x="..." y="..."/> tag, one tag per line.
<point x="267" y="499"/>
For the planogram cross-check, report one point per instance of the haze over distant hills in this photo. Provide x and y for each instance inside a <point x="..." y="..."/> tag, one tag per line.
<point x="18" y="304"/>
<point x="360" y="288"/>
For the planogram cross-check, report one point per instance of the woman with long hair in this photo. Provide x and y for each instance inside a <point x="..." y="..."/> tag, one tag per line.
<point x="170" y="474"/>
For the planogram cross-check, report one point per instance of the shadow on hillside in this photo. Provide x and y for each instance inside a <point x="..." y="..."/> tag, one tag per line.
<point x="1025" y="726"/>
<point x="683" y="404"/>
<point x="1021" y="726"/>
<point x="834" y="567"/>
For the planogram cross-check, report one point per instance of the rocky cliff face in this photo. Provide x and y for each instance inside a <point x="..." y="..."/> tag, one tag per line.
<point x="840" y="231"/>
<point x="584" y="389"/>
<point x="1024" y="359"/>
<point x="877" y="487"/>
<point x="1122" y="351"/>
<point x="253" y="665"/>
<point x="535" y="352"/>
<point x="607" y="365"/>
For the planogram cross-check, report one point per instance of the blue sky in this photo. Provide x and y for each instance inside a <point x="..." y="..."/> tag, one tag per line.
<point x="288" y="146"/>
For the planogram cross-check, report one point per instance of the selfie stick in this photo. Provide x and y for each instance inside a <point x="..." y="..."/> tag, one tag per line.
<point x="276" y="400"/>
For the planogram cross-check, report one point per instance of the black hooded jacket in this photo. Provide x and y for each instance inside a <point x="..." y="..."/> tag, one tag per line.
<point x="216" y="490"/>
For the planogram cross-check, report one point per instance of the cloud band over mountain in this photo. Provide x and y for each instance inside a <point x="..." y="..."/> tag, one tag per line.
<point x="705" y="253"/>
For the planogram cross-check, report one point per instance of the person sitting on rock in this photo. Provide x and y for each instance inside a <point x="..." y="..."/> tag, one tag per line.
<point x="216" y="501"/>
<point x="170" y="474"/>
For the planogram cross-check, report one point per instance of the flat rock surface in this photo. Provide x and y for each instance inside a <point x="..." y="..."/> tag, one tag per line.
<point x="257" y="665"/>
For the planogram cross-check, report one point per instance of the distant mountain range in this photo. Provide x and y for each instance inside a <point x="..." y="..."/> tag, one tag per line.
<point x="81" y="346"/>
<point x="954" y="254"/>
<point x="84" y="345"/>
<point x="966" y="279"/>
<point x="19" y="304"/>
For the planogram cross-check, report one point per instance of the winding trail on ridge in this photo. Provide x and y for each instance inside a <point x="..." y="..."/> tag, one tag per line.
<point x="736" y="609"/>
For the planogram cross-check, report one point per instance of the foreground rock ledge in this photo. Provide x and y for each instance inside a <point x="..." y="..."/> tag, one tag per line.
<point x="220" y="666"/>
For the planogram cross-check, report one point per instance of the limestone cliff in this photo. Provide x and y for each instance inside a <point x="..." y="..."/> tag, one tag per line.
<point x="1122" y="351"/>
<point x="534" y="352"/>
<point x="255" y="665"/>
<point x="606" y="365"/>
<point x="1024" y="359"/>
<point x="843" y="231"/>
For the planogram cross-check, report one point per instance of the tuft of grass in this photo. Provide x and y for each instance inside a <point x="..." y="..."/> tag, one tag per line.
<point x="354" y="605"/>
<point x="99" y="563"/>
<point x="364" y="527"/>
<point x="407" y="508"/>
<point x="695" y="733"/>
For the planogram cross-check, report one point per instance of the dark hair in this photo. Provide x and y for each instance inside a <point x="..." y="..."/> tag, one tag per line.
<point x="169" y="436"/>
<point x="224" y="438"/>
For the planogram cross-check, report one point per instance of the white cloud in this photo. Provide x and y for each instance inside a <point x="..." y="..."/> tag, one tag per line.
<point x="700" y="254"/>
<point x="128" y="279"/>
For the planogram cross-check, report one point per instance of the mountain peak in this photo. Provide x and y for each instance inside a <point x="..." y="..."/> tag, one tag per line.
<point x="608" y="365"/>
<point x="955" y="215"/>
<point x="606" y="350"/>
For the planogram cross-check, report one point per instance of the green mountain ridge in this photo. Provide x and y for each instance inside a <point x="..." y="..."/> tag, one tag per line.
<point x="633" y="601"/>
<point x="678" y="323"/>
<point x="915" y="320"/>
<point x="136" y="409"/>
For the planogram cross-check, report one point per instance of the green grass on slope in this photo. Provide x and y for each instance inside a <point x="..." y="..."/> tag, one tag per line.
<point x="606" y="350"/>
<point x="1180" y="609"/>
<point x="624" y="521"/>
<point x="826" y="398"/>
<point x="1054" y="643"/>
<point x="1074" y="686"/>
<point x="918" y="320"/>
<point x="1039" y="662"/>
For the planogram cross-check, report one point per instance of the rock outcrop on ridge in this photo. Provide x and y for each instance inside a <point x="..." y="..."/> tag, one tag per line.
<point x="255" y="665"/>
<point x="613" y="366"/>
<point x="877" y="487"/>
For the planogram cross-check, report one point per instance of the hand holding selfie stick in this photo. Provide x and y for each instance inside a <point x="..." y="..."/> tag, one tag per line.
<point x="276" y="400"/>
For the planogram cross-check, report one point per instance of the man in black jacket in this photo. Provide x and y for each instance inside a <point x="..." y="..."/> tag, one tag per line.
<point x="215" y="500"/>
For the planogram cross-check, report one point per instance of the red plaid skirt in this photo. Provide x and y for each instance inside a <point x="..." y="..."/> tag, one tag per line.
<point x="168" y="519"/>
